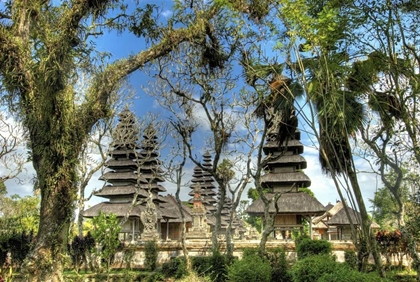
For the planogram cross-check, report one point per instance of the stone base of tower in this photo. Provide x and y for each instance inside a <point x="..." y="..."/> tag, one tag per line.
<point x="150" y="236"/>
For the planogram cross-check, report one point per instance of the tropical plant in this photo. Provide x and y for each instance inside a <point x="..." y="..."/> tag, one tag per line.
<point x="250" y="268"/>
<point x="308" y="247"/>
<point x="151" y="252"/>
<point x="105" y="233"/>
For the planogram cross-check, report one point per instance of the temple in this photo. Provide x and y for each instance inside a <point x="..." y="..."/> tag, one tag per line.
<point x="132" y="186"/>
<point x="282" y="179"/>
<point x="134" y="190"/>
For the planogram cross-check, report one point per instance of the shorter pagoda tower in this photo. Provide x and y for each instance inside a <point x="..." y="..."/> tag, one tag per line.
<point x="283" y="177"/>
<point x="205" y="181"/>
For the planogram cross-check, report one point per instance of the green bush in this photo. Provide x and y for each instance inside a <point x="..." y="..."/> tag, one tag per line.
<point x="251" y="268"/>
<point x="18" y="244"/>
<point x="343" y="273"/>
<point x="201" y="265"/>
<point x="250" y="252"/>
<point x="176" y="268"/>
<point x="311" y="268"/>
<point x="219" y="266"/>
<point x="279" y="266"/>
<point x="300" y="238"/>
<point x="350" y="258"/>
<point x="308" y="247"/>
<point x="151" y="253"/>
<point x="154" y="277"/>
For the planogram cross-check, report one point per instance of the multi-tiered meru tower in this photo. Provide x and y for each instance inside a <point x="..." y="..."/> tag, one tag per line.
<point x="283" y="177"/>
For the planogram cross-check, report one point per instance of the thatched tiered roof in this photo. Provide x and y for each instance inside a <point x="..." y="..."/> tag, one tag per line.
<point x="289" y="203"/>
<point x="283" y="176"/>
<point x="205" y="181"/>
<point x="131" y="173"/>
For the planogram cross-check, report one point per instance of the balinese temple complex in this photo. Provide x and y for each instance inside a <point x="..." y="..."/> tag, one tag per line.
<point x="134" y="185"/>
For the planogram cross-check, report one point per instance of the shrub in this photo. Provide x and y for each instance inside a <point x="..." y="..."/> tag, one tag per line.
<point x="18" y="244"/>
<point x="154" y="276"/>
<point x="250" y="252"/>
<point x="251" y="268"/>
<point x="201" y="265"/>
<point x="219" y="269"/>
<point x="279" y="266"/>
<point x="312" y="268"/>
<point x="105" y="234"/>
<point x="308" y="247"/>
<point x="79" y="249"/>
<point x="343" y="273"/>
<point x="300" y="238"/>
<point x="151" y="253"/>
<point x="350" y="258"/>
<point x="176" y="268"/>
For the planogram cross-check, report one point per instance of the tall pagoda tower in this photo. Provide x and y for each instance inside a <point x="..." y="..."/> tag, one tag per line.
<point x="283" y="177"/>
<point x="205" y="181"/>
<point x="132" y="180"/>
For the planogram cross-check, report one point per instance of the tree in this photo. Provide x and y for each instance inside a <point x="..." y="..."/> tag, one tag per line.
<point x="19" y="214"/>
<point x="12" y="141"/>
<point x="388" y="209"/>
<point x="43" y="46"/>
<point x="339" y="113"/>
<point x="105" y="233"/>
<point x="392" y="97"/>
<point x="177" y="166"/>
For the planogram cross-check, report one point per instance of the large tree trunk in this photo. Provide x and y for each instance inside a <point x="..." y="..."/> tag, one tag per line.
<point x="58" y="195"/>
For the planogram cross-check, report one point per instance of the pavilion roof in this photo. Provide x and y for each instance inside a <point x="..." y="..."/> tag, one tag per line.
<point x="289" y="203"/>
<point x="171" y="208"/>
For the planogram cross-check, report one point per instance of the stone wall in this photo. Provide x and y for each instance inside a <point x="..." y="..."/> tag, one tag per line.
<point x="168" y="250"/>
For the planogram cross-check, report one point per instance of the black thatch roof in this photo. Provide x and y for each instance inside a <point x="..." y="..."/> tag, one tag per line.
<point x="123" y="152"/>
<point x="290" y="160"/>
<point x="152" y="186"/>
<point x="120" y="190"/>
<point x="170" y="210"/>
<point x="336" y="216"/>
<point x="127" y="163"/>
<point x="289" y="203"/>
<point x="116" y="192"/>
<point x="203" y="180"/>
<point x="121" y="176"/>
<point x="291" y="145"/>
<point x="286" y="178"/>
<point x="340" y="218"/>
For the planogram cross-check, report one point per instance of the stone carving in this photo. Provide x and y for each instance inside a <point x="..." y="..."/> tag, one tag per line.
<point x="149" y="219"/>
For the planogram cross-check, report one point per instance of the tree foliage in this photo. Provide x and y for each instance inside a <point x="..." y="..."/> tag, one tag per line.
<point x="19" y="214"/>
<point x="105" y="233"/>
